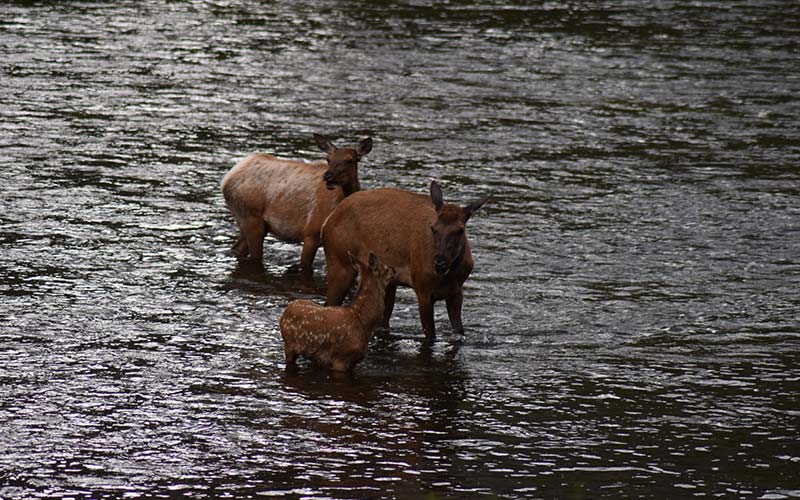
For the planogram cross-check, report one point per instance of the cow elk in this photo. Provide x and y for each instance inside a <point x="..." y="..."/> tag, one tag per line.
<point x="289" y="199"/>
<point x="420" y="236"/>
<point x="337" y="337"/>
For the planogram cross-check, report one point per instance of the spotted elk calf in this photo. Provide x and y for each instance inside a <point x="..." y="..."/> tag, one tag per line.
<point x="337" y="337"/>
<point x="289" y="199"/>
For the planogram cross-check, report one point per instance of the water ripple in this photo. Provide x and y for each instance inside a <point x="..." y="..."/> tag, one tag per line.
<point x="631" y="320"/>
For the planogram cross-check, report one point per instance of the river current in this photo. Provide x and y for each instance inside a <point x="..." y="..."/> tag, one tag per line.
<point x="632" y="322"/>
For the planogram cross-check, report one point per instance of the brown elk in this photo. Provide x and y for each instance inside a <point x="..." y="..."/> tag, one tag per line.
<point x="338" y="336"/>
<point x="290" y="199"/>
<point x="420" y="236"/>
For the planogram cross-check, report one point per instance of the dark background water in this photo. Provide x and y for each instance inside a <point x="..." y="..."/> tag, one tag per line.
<point x="632" y="321"/>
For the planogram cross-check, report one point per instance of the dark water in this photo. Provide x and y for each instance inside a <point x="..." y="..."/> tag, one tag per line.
<point x="632" y="321"/>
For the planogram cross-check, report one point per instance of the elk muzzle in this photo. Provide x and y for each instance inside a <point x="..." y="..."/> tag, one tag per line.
<point x="328" y="177"/>
<point x="440" y="264"/>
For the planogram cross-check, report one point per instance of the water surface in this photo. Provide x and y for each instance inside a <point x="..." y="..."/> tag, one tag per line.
<point x="632" y="320"/>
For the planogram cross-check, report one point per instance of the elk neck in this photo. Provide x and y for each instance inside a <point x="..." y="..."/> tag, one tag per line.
<point x="368" y="303"/>
<point x="351" y="187"/>
<point x="459" y="258"/>
<point x="455" y="263"/>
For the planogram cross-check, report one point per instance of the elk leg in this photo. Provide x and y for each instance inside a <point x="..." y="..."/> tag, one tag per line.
<point x="239" y="249"/>
<point x="391" y="292"/>
<point x="310" y="246"/>
<point x="340" y="279"/>
<point x="339" y="365"/>
<point x="253" y="231"/>
<point x="291" y="357"/>
<point x="454" y="312"/>
<point x="426" y="316"/>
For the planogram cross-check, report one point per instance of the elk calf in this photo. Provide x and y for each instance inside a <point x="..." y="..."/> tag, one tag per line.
<point x="289" y="199"/>
<point x="337" y="336"/>
<point x="421" y="236"/>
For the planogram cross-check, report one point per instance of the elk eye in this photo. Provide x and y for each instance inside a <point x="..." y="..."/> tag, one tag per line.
<point x="433" y="230"/>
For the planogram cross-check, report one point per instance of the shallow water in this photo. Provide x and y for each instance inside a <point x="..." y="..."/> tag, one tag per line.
<point x="632" y="320"/>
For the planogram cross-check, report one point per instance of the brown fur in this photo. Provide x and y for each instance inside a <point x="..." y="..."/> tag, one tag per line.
<point x="289" y="199"/>
<point x="409" y="232"/>
<point x="337" y="336"/>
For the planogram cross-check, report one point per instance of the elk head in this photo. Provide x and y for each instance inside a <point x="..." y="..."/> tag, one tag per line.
<point x="342" y="163"/>
<point x="383" y="273"/>
<point x="449" y="230"/>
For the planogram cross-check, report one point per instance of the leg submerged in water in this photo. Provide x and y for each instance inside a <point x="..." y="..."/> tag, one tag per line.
<point x="454" y="303"/>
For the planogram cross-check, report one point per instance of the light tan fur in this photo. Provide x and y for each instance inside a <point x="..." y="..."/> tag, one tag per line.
<point x="397" y="226"/>
<point x="289" y="199"/>
<point x="337" y="337"/>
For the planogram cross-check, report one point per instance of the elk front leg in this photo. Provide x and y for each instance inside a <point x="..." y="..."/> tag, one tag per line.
<point x="340" y="279"/>
<point x="391" y="293"/>
<point x="426" y="316"/>
<point x="454" y="312"/>
<point x="310" y="246"/>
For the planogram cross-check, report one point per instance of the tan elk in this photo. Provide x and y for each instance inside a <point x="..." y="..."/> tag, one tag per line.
<point x="337" y="337"/>
<point x="420" y="236"/>
<point x="289" y="199"/>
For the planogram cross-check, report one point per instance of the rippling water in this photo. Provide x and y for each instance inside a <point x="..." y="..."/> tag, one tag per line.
<point x="632" y="321"/>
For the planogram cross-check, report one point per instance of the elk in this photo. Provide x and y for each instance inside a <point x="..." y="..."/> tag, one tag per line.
<point x="337" y="337"/>
<point x="290" y="199"/>
<point x="420" y="236"/>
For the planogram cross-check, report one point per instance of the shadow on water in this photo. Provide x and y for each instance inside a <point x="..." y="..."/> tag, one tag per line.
<point x="399" y="410"/>
<point x="290" y="282"/>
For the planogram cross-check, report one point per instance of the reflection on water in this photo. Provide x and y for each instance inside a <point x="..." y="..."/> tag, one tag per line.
<point x="631" y="322"/>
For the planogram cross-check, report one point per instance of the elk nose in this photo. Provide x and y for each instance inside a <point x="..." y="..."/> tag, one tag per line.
<point x="439" y="264"/>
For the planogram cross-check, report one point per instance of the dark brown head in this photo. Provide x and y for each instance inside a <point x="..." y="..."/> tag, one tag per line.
<point x="342" y="163"/>
<point x="383" y="274"/>
<point x="449" y="230"/>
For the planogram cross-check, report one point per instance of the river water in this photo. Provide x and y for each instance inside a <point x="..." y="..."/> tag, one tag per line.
<point x="631" y="324"/>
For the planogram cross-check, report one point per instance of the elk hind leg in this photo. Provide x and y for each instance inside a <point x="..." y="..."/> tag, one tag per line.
<point x="340" y="279"/>
<point x="239" y="249"/>
<point x="253" y="231"/>
<point x="291" y="359"/>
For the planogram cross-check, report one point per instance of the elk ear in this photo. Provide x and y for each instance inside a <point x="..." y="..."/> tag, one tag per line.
<point x="474" y="206"/>
<point x="324" y="143"/>
<point x="373" y="263"/>
<point x="436" y="195"/>
<point x="364" y="147"/>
